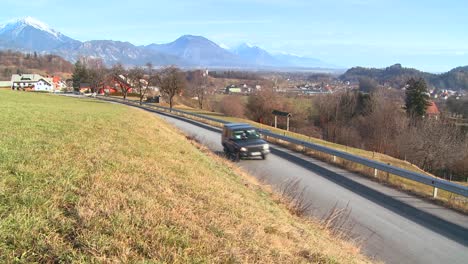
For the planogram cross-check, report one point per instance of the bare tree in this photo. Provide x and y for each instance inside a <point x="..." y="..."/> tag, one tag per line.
<point x="142" y="81"/>
<point x="232" y="105"/>
<point x="383" y="123"/>
<point x="136" y="79"/>
<point x="152" y="79"/>
<point x="198" y="81"/>
<point x="261" y="105"/>
<point x="118" y="77"/>
<point x="172" y="83"/>
<point x="433" y="145"/>
<point x="336" y="111"/>
<point x="97" y="73"/>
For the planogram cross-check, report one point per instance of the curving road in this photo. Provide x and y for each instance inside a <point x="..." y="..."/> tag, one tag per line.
<point x="391" y="226"/>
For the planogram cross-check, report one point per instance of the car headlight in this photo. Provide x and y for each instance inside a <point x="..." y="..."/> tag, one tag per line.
<point x="243" y="149"/>
<point x="266" y="147"/>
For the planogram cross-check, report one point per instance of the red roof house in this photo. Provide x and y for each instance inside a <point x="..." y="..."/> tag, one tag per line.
<point x="432" y="110"/>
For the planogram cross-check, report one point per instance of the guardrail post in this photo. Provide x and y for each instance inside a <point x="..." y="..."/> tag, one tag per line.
<point x="375" y="172"/>
<point x="434" y="192"/>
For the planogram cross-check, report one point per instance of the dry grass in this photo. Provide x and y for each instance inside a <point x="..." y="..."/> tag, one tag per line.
<point x="86" y="181"/>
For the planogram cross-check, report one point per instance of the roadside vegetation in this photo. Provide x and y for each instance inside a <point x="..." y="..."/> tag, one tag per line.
<point x="88" y="181"/>
<point x="431" y="144"/>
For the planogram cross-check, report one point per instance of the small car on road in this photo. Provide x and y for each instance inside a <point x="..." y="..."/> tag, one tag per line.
<point x="241" y="140"/>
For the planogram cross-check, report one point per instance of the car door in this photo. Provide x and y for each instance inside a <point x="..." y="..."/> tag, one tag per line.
<point x="231" y="144"/>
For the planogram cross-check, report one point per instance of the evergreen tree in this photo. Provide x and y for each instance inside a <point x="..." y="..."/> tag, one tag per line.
<point x="417" y="98"/>
<point x="80" y="75"/>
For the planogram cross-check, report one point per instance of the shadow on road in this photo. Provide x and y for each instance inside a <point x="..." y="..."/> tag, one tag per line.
<point x="450" y="230"/>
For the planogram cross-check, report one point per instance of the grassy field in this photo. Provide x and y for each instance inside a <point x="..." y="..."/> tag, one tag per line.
<point x="445" y="198"/>
<point x="92" y="182"/>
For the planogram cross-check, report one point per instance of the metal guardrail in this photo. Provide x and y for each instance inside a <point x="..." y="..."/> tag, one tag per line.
<point x="415" y="176"/>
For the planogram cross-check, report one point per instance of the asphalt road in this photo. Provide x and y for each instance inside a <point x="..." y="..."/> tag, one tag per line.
<point x="390" y="225"/>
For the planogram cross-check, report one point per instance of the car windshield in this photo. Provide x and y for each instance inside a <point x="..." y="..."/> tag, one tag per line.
<point x="245" y="134"/>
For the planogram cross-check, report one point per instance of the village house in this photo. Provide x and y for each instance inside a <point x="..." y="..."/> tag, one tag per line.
<point x="240" y="89"/>
<point x="59" y="84"/>
<point x="118" y="82"/>
<point x="432" y="111"/>
<point x="35" y="82"/>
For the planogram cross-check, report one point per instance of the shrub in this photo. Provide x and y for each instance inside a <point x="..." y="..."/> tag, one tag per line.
<point x="232" y="106"/>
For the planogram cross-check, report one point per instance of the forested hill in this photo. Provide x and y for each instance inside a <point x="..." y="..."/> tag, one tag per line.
<point x="17" y="62"/>
<point x="397" y="76"/>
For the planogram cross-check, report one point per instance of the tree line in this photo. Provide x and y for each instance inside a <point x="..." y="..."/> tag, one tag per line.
<point x="393" y="123"/>
<point x="396" y="76"/>
<point x="388" y="121"/>
<point x="19" y="63"/>
<point x="170" y="81"/>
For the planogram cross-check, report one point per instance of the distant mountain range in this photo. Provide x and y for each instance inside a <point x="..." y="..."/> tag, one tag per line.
<point x="30" y="35"/>
<point x="397" y="76"/>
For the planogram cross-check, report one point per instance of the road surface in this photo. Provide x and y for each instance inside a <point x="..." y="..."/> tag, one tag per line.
<point x="391" y="226"/>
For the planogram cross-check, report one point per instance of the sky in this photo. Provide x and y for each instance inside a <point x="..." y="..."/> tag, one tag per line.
<point x="425" y="34"/>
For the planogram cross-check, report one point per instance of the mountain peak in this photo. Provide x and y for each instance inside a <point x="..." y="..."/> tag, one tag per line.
<point x="194" y="42"/>
<point x="19" y="24"/>
<point x="192" y="38"/>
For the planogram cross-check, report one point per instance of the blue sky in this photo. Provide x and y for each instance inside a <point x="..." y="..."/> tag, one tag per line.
<point x="425" y="34"/>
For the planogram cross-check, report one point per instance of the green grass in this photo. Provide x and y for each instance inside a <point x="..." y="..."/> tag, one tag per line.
<point x="87" y="181"/>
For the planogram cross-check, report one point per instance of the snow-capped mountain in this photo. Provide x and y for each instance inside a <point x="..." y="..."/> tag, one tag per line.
<point x="17" y="26"/>
<point x="31" y="34"/>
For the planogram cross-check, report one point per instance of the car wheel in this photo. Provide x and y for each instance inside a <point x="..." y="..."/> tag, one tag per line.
<point x="237" y="156"/>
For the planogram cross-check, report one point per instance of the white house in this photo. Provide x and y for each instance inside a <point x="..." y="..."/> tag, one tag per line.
<point x="44" y="85"/>
<point x="34" y="82"/>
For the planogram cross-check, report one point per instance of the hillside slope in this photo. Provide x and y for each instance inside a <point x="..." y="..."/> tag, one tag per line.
<point x="17" y="62"/>
<point x="87" y="181"/>
<point x="397" y="76"/>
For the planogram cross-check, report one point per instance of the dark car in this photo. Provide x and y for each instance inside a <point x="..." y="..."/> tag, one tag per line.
<point x="243" y="141"/>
